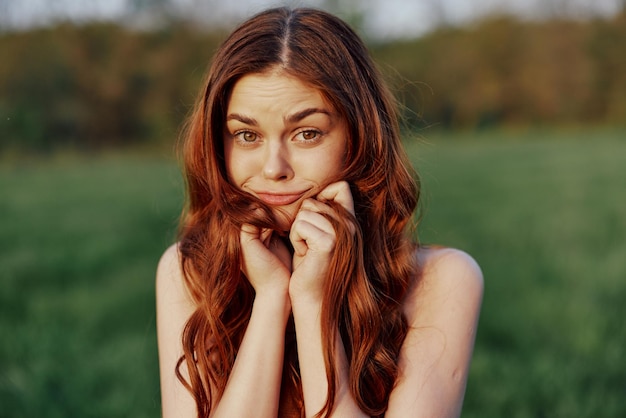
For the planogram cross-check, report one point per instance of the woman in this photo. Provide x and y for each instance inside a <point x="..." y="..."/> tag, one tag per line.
<point x="295" y="288"/>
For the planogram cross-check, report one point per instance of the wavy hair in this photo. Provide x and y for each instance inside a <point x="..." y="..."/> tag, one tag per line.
<point x="375" y="264"/>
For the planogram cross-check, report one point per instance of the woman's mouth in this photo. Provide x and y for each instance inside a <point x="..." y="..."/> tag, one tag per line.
<point x="279" y="199"/>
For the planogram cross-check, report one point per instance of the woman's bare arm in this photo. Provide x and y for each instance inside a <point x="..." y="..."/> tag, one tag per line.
<point x="253" y="387"/>
<point x="313" y="237"/>
<point x="442" y="310"/>
<point x="312" y="367"/>
<point x="174" y="307"/>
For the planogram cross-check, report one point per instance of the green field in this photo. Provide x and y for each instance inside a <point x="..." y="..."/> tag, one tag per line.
<point x="544" y="215"/>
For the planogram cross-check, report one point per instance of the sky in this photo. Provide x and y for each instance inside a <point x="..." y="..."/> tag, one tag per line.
<point x="381" y="18"/>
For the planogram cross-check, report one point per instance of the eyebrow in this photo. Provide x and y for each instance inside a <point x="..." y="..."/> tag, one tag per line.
<point x="242" y="119"/>
<point x="295" y="117"/>
<point x="298" y="116"/>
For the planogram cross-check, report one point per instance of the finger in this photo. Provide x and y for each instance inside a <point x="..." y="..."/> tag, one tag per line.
<point x="338" y="192"/>
<point x="298" y="241"/>
<point x="313" y="212"/>
<point x="305" y="236"/>
<point x="260" y="247"/>
<point x="266" y="236"/>
<point x="250" y="232"/>
<point x="323" y="208"/>
<point x="280" y="250"/>
<point x="309" y="216"/>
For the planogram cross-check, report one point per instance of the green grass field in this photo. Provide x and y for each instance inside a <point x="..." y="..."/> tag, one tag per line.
<point x="544" y="215"/>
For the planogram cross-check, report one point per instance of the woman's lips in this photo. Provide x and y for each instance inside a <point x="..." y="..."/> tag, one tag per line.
<point x="279" y="199"/>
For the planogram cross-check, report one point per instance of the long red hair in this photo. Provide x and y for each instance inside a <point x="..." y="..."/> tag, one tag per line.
<point x="375" y="264"/>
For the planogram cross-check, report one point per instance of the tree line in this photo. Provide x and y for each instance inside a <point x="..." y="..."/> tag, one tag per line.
<point x="506" y="72"/>
<point x="102" y="84"/>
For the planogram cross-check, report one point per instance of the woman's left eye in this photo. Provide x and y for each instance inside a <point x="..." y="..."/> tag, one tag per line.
<point x="309" y="135"/>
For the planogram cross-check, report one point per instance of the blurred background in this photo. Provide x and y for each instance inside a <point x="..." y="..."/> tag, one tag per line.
<point x="514" y="113"/>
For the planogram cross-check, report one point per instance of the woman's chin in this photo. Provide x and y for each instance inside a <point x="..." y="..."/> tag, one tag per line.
<point x="283" y="222"/>
<point x="284" y="217"/>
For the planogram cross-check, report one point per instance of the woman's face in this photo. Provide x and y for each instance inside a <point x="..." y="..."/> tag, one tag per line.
<point x="282" y="141"/>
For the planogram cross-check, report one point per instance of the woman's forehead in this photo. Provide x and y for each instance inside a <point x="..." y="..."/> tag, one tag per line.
<point x="275" y="90"/>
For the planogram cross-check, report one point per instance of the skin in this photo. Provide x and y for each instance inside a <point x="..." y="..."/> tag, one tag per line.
<point x="283" y="142"/>
<point x="285" y="145"/>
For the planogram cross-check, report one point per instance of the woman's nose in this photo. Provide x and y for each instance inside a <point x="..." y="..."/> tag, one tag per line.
<point x="277" y="166"/>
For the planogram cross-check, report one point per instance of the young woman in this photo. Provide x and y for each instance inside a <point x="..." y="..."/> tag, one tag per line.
<point x="295" y="288"/>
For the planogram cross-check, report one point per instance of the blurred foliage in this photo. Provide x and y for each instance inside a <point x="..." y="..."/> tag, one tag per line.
<point x="100" y="85"/>
<point x="507" y="72"/>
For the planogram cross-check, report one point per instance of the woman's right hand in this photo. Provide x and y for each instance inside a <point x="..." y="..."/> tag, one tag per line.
<point x="314" y="239"/>
<point x="266" y="259"/>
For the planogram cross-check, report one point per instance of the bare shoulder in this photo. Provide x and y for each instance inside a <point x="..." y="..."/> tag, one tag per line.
<point x="170" y="281"/>
<point x="442" y="309"/>
<point x="443" y="264"/>
<point x="443" y="276"/>
<point x="169" y="264"/>
<point x="171" y="292"/>
<point x="174" y="307"/>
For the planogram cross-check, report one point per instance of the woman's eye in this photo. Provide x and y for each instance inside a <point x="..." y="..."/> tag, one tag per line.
<point x="249" y="136"/>
<point x="246" y="136"/>
<point x="310" y="135"/>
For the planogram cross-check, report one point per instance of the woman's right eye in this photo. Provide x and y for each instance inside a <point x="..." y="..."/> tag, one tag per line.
<point x="246" y="136"/>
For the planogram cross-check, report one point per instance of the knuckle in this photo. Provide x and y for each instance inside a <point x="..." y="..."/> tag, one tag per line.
<point x="327" y="242"/>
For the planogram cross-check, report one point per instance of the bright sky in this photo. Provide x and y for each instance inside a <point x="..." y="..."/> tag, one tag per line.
<point x="383" y="18"/>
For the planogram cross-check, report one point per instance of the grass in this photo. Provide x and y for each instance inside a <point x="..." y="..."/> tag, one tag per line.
<point x="546" y="219"/>
<point x="80" y="239"/>
<point x="545" y="216"/>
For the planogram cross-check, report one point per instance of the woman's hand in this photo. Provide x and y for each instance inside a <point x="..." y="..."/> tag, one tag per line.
<point x="266" y="259"/>
<point x="314" y="238"/>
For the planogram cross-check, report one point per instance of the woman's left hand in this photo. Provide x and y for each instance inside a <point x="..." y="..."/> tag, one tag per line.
<point x="266" y="260"/>
<point x="313" y="238"/>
